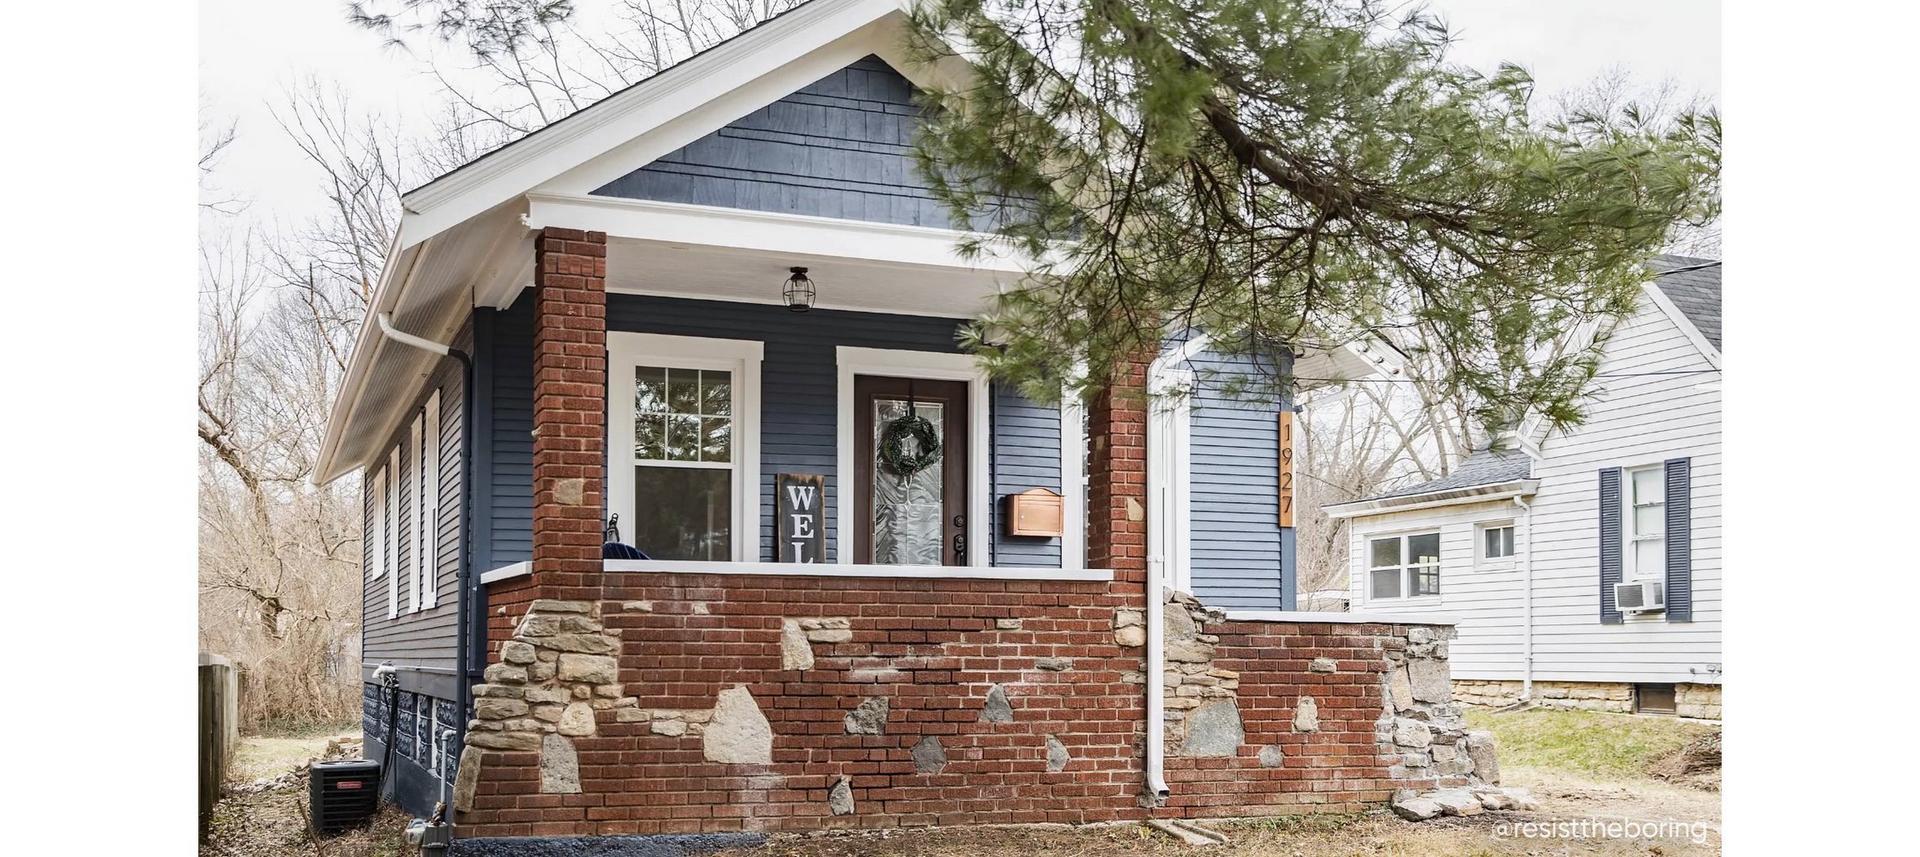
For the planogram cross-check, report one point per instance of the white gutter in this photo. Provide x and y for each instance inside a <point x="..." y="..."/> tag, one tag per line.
<point x="1159" y="498"/>
<point x="1453" y="497"/>
<point x="1526" y="604"/>
<point x="405" y="338"/>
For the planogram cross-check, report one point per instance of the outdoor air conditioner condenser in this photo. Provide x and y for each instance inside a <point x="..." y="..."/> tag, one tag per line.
<point x="343" y="794"/>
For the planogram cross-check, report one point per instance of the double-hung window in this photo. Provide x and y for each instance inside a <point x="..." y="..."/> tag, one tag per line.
<point x="1403" y="566"/>
<point x="683" y="455"/>
<point x="1645" y="526"/>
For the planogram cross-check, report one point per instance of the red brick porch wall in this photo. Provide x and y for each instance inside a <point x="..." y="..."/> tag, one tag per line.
<point x="933" y="648"/>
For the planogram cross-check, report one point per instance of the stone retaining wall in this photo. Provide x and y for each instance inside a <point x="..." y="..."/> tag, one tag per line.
<point x="685" y="703"/>
<point x="1690" y="700"/>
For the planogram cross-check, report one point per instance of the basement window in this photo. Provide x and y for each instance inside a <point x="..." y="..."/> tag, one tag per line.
<point x="1653" y="699"/>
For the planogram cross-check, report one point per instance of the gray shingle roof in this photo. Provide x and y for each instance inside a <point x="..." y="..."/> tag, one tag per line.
<point x="1694" y="286"/>
<point x="1486" y="467"/>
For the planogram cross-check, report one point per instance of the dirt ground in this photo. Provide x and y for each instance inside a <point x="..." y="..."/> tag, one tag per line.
<point x="1584" y="769"/>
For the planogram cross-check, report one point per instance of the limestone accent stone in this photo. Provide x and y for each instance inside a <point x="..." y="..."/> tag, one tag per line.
<point x="571" y="491"/>
<point x="670" y="728"/>
<point x="1306" y="715"/>
<point x="548" y="625"/>
<point x="1053" y="664"/>
<point x="796" y="653"/>
<point x="997" y="709"/>
<point x="501" y="691"/>
<point x="1457" y="802"/>
<point x="1057" y="755"/>
<point x="1271" y="756"/>
<point x="576" y="720"/>
<point x="1130" y="636"/>
<point x="1411" y="733"/>
<point x="929" y="757"/>
<point x="868" y="718"/>
<point x="1006" y="624"/>
<point x="1399" y="689"/>
<point x="504" y="740"/>
<point x="637" y="606"/>
<point x="589" y="644"/>
<point x="505" y="674"/>
<point x="738" y="734"/>
<point x="541" y="670"/>
<point x="1412" y="807"/>
<point x="1483" y="750"/>
<point x="491" y="708"/>
<point x="549" y="695"/>
<point x="1429" y="679"/>
<point x="827" y="629"/>
<point x="466" y="779"/>
<point x="1323" y="666"/>
<point x="552" y="605"/>
<point x="559" y="766"/>
<point x="1214" y="729"/>
<point x="840" y="797"/>
<point x="518" y="653"/>
<point x="591" y="669"/>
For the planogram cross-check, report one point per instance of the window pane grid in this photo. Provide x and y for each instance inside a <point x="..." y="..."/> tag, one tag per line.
<point x="1404" y="566"/>
<point x="682" y="416"/>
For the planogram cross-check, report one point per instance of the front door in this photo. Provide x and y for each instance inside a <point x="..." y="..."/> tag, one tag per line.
<point x="908" y="514"/>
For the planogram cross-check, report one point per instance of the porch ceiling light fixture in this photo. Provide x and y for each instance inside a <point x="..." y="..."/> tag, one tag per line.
<point x="798" y="290"/>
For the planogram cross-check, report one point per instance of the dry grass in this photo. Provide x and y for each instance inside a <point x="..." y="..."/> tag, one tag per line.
<point x="272" y="822"/>
<point x="1589" y="744"/>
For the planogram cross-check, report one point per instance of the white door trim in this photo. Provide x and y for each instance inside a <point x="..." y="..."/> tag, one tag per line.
<point x="933" y="366"/>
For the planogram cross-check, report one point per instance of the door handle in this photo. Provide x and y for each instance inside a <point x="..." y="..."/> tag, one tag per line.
<point x="960" y="549"/>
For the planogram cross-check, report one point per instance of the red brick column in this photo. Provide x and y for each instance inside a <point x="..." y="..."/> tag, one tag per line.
<point x="1117" y="475"/>
<point x="569" y="411"/>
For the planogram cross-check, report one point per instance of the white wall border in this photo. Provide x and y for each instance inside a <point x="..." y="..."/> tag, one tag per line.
<point x="507" y="572"/>
<point x="928" y="365"/>
<point x="835" y="569"/>
<point x="741" y="356"/>
<point x="1311" y="617"/>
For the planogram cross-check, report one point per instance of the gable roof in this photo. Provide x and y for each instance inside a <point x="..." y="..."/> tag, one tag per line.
<point x="1693" y="285"/>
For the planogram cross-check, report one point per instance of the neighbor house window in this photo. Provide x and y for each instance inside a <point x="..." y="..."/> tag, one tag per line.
<point x="1496" y="541"/>
<point x="1403" y="566"/>
<point x="683" y="473"/>
<point x="1645" y="526"/>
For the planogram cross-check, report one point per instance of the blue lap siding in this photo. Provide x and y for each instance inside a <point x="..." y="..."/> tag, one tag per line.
<point x="1241" y="556"/>
<point x="799" y="396"/>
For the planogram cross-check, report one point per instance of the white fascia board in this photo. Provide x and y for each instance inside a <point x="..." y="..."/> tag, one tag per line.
<point x="1434" y="499"/>
<point x="632" y="112"/>
<point x="365" y="342"/>
<point x="763" y="231"/>
<point x="1685" y="324"/>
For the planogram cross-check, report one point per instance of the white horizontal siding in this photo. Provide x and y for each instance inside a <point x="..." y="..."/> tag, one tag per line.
<point x="1633" y="418"/>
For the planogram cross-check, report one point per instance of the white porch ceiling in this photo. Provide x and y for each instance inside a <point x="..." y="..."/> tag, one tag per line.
<point x="728" y="274"/>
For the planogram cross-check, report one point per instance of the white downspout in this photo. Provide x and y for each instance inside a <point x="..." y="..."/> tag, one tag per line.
<point x="1160" y="504"/>
<point x="404" y="338"/>
<point x="1526" y="603"/>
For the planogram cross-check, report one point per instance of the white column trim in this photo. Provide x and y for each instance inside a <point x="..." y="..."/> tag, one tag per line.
<point x="933" y="366"/>
<point x="1073" y="482"/>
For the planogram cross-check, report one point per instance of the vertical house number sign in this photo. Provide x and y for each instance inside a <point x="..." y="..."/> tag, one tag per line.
<point x="1286" y="468"/>
<point x="800" y="527"/>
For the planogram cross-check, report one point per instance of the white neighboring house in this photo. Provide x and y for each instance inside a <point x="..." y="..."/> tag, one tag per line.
<point x="1583" y="566"/>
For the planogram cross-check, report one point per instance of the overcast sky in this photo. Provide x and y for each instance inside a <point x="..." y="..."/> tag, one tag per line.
<point x="252" y="51"/>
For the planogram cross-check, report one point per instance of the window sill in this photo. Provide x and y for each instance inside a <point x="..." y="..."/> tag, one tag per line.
<point x="934" y="572"/>
<point x="1412" y="601"/>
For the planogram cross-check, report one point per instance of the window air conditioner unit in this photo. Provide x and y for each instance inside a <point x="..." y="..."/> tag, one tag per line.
<point x="1645" y="596"/>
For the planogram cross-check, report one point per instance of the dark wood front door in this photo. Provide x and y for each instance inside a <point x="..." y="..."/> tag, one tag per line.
<point x="918" y="518"/>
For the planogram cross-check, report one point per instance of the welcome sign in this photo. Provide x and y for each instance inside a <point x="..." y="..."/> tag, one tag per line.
<point x="800" y="529"/>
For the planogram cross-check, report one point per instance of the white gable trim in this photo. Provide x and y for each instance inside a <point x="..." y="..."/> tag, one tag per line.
<point x="1685" y="324"/>
<point x="707" y="80"/>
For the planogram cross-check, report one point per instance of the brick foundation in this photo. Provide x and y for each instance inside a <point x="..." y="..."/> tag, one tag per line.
<point x="1690" y="700"/>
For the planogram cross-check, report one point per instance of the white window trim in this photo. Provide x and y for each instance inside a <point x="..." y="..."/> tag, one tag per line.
<point x="932" y="366"/>
<point x="1073" y="481"/>
<point x="390" y="533"/>
<point x="430" y="466"/>
<point x="378" y="566"/>
<point x="742" y="357"/>
<point x="1480" y="558"/>
<point x="1406" y="567"/>
<point x="1629" y="558"/>
<point x="416" y="499"/>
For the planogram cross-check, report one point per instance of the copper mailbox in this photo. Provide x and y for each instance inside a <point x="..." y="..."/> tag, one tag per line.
<point x="1035" y="512"/>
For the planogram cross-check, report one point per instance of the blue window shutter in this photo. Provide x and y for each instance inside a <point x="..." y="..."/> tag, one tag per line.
<point x="1609" y="544"/>
<point x="1679" y="539"/>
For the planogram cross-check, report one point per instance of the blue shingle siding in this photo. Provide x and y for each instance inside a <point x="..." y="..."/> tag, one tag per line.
<point x="1026" y="454"/>
<point x="1241" y="556"/>
<point x="840" y="147"/>
<point x="798" y="423"/>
